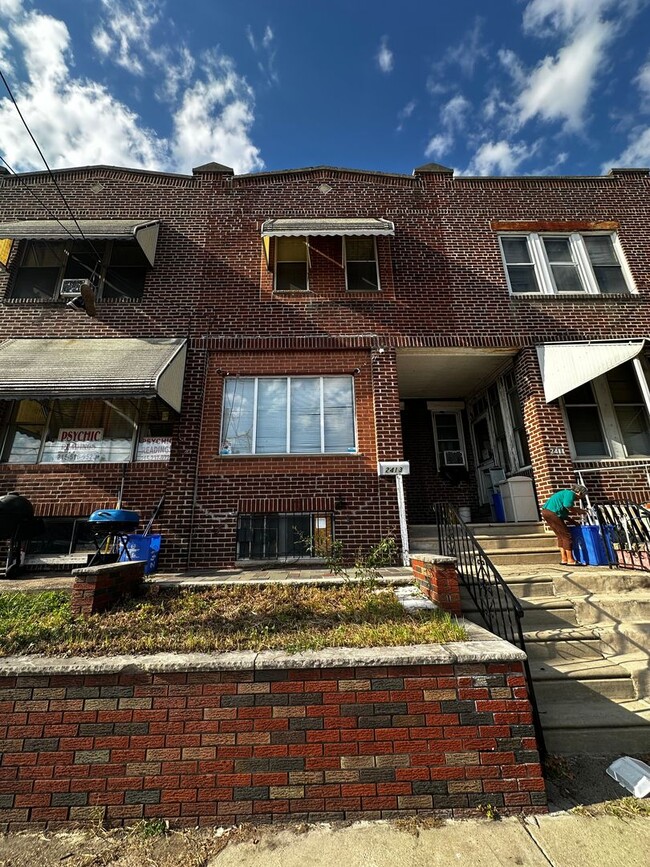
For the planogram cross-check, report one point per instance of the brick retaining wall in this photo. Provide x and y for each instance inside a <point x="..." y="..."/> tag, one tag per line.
<point x="437" y="578"/>
<point x="98" y="588"/>
<point x="406" y="731"/>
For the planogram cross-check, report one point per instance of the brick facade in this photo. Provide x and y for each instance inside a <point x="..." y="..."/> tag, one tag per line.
<point x="267" y="745"/>
<point x="443" y="288"/>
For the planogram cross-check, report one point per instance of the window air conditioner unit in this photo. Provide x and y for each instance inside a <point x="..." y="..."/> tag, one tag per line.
<point x="453" y="458"/>
<point x="71" y="288"/>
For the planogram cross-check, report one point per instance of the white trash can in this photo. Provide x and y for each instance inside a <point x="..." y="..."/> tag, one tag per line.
<point x="518" y="497"/>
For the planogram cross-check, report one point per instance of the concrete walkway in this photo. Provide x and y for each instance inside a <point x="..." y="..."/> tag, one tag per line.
<point x="564" y="840"/>
<point x="201" y="577"/>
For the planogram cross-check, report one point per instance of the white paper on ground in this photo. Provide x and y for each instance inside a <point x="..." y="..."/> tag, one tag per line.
<point x="632" y="774"/>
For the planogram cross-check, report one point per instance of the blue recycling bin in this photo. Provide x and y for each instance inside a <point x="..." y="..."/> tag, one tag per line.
<point x="499" y="511"/>
<point x="143" y="548"/>
<point x="591" y="547"/>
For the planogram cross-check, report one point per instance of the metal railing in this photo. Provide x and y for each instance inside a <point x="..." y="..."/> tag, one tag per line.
<point x="625" y="534"/>
<point x="497" y="605"/>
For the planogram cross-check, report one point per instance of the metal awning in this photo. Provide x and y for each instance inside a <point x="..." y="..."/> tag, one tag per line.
<point x="143" y="232"/>
<point x="33" y="368"/>
<point x="566" y="366"/>
<point x="285" y="227"/>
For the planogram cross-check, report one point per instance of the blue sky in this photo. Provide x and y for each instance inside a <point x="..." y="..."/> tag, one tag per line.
<point x="494" y="87"/>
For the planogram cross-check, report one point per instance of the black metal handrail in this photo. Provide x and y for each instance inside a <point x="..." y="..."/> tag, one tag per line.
<point x="498" y="606"/>
<point x="625" y="533"/>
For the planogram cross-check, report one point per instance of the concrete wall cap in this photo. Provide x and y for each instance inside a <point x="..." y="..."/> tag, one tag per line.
<point x="482" y="647"/>
<point x="434" y="558"/>
<point x="107" y="568"/>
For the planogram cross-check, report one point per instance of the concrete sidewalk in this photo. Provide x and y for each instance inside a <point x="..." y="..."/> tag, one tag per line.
<point x="561" y="840"/>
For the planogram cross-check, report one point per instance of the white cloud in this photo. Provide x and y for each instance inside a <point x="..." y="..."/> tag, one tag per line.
<point x="453" y="113"/>
<point x="405" y="113"/>
<point x="125" y="33"/>
<point x="264" y="48"/>
<point x="385" y="56"/>
<point x="559" y="87"/>
<point x="545" y="17"/>
<point x="643" y="81"/>
<point x="215" y="118"/>
<point x="78" y="121"/>
<point x="470" y="50"/>
<point x="439" y="145"/>
<point x="637" y="152"/>
<point x="500" y="158"/>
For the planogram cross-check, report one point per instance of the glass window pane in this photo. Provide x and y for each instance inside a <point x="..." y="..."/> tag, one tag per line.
<point x="238" y="409"/>
<point x="623" y="384"/>
<point x="633" y="421"/>
<point x="291" y="276"/>
<point x="305" y="415"/>
<point x="362" y="276"/>
<point x="83" y="259"/>
<point x="25" y="433"/>
<point x="586" y="431"/>
<point x="90" y="431"/>
<point x="523" y="278"/>
<point x="567" y="278"/>
<point x="610" y="279"/>
<point x="338" y="407"/>
<point x="271" y="416"/>
<point x="558" y="249"/>
<point x="291" y="250"/>
<point x="515" y="250"/>
<point x="360" y="249"/>
<point x="600" y="249"/>
<point x="581" y="394"/>
<point x="35" y="283"/>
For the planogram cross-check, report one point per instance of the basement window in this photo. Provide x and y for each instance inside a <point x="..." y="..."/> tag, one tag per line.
<point x="284" y="536"/>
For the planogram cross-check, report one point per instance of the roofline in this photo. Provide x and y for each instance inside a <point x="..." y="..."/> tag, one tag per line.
<point x="96" y="168"/>
<point x="311" y="169"/>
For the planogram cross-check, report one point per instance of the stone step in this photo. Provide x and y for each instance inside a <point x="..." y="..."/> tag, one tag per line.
<point x="528" y="588"/>
<point x="559" y="680"/>
<point x="613" y="607"/>
<point x="627" y="637"/>
<point x="594" y="724"/>
<point x="594" y="579"/>
<point x="540" y="556"/>
<point x="523" y="528"/>
<point x="497" y="544"/>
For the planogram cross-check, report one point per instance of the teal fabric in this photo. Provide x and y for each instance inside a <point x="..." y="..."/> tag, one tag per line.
<point x="560" y="502"/>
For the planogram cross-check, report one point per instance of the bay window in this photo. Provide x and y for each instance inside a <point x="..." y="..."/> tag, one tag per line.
<point x="86" y="431"/>
<point x="288" y="415"/>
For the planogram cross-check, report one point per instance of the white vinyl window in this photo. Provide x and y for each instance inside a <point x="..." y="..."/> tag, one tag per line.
<point x="361" y="272"/>
<point x="559" y="264"/>
<point x="608" y="416"/>
<point x="291" y="265"/>
<point x="288" y="415"/>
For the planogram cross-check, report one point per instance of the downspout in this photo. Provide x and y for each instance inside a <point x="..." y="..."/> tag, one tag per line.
<point x="195" y="493"/>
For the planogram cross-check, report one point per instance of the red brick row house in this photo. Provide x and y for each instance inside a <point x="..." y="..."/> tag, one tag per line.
<point x="262" y="342"/>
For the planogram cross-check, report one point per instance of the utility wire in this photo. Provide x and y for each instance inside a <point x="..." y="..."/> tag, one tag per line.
<point x="49" y="170"/>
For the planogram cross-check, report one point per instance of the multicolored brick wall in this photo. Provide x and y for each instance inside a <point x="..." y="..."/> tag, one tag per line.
<point x="267" y="745"/>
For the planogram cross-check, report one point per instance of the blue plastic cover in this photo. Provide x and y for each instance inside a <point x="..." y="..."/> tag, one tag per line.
<point x="122" y="515"/>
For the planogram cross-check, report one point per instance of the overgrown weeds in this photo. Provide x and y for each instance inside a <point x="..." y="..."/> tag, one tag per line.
<point x="214" y="619"/>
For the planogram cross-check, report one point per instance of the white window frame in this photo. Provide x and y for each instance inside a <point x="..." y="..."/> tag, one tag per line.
<point x="454" y="408"/>
<point x="614" y="441"/>
<point x="306" y="260"/>
<point x="345" y="267"/>
<point x="580" y="256"/>
<point x="353" y="449"/>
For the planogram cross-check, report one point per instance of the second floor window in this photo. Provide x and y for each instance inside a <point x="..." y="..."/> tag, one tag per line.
<point x="361" y="273"/>
<point x="288" y="415"/>
<point x="117" y="269"/>
<point x="557" y="264"/>
<point x="291" y="265"/>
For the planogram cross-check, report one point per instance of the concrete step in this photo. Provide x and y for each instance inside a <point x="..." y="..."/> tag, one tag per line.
<point x="540" y="557"/>
<point x="594" y="724"/>
<point x="627" y="637"/>
<point x="528" y="588"/>
<point x="559" y="680"/>
<point x="613" y="607"/>
<point x="570" y="643"/>
<point x="524" y="528"/>
<point x="530" y="542"/>
<point x="594" y="579"/>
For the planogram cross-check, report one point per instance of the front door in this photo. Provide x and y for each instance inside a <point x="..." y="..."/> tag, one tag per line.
<point x="485" y="456"/>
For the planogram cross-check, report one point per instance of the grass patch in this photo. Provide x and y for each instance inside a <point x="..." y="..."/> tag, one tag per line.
<point x="268" y="617"/>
